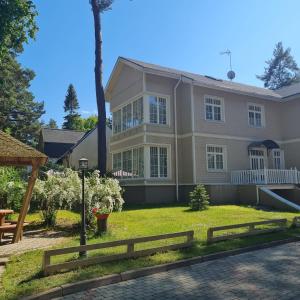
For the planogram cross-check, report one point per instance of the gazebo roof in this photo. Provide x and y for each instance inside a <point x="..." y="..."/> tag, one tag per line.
<point x="14" y="152"/>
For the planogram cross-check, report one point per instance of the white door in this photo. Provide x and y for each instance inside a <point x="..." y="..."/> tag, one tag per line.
<point x="278" y="159"/>
<point x="257" y="159"/>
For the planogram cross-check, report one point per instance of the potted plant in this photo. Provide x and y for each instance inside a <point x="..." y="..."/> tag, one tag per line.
<point x="102" y="215"/>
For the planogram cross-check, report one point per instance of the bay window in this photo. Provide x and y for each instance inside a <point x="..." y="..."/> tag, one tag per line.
<point x="159" y="162"/>
<point x="127" y="117"/>
<point x="137" y="112"/>
<point x="129" y="163"/>
<point x="117" y="121"/>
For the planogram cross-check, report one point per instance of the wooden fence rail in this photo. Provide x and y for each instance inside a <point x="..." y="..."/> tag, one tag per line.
<point x="49" y="269"/>
<point x="252" y="230"/>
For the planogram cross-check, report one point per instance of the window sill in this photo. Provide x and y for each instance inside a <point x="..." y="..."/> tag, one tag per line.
<point x="216" y="171"/>
<point x="127" y="130"/>
<point x="215" y="121"/>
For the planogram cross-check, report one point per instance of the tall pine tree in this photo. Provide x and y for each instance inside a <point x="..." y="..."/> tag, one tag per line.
<point x="52" y="124"/>
<point x="281" y="70"/>
<point x="19" y="112"/>
<point x="71" y="105"/>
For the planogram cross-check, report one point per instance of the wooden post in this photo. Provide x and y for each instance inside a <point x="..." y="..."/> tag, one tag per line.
<point x="26" y="201"/>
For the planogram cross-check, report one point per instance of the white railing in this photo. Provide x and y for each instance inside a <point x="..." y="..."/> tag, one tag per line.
<point x="265" y="176"/>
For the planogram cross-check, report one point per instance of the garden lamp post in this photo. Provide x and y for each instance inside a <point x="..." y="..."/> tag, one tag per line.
<point x="83" y="165"/>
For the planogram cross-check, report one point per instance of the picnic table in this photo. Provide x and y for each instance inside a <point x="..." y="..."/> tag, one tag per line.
<point x="3" y="213"/>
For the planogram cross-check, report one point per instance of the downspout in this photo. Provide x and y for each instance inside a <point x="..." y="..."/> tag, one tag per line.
<point x="176" y="139"/>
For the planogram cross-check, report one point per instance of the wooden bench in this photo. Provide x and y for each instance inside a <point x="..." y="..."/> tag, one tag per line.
<point x="281" y="225"/>
<point x="10" y="228"/>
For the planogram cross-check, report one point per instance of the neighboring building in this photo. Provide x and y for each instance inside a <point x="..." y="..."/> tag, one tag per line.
<point x="86" y="147"/>
<point x="173" y="129"/>
<point x="55" y="142"/>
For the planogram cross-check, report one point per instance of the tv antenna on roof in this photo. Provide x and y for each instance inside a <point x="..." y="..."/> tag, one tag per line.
<point x="230" y="73"/>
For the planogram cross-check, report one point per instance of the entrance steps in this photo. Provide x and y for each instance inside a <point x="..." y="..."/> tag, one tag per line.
<point x="283" y="196"/>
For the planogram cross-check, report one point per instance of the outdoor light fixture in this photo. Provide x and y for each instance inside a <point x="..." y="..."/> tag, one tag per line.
<point x="83" y="165"/>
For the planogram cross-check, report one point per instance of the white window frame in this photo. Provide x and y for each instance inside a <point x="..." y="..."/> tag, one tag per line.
<point x="120" y="108"/>
<point x="167" y="97"/>
<point x="258" y="157"/>
<point x="224" y="155"/>
<point x="222" y="108"/>
<point x="281" y="157"/>
<point x="262" y="113"/>
<point x="121" y="151"/>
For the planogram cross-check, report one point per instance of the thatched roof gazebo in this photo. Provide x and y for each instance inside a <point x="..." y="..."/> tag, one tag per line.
<point x="16" y="153"/>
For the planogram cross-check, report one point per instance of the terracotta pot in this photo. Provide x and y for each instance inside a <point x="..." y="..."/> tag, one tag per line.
<point x="102" y="216"/>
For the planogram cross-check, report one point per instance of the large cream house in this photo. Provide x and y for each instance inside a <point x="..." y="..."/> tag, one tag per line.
<point x="173" y="129"/>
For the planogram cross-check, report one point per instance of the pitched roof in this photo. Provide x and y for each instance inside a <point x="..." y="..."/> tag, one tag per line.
<point x="61" y="135"/>
<point x="12" y="151"/>
<point x="290" y="90"/>
<point x="208" y="81"/>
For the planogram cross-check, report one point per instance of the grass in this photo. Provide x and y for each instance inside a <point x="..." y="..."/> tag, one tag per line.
<point x="23" y="274"/>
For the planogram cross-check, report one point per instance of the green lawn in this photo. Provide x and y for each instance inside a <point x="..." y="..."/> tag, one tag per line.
<point x="23" y="273"/>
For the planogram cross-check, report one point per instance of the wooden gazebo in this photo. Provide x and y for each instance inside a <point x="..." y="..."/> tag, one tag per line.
<point x="16" y="153"/>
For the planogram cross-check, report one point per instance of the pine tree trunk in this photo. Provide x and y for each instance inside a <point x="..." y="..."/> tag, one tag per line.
<point x="99" y="89"/>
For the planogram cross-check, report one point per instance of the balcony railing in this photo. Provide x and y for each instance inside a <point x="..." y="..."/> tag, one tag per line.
<point x="265" y="176"/>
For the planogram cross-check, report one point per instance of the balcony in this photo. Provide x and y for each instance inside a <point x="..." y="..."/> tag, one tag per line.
<point x="265" y="176"/>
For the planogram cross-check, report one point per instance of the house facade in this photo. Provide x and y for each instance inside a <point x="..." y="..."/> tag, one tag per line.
<point x="55" y="142"/>
<point x="86" y="147"/>
<point x="173" y="130"/>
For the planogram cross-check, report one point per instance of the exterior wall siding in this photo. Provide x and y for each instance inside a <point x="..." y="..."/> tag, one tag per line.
<point x="234" y="133"/>
<point x="129" y="84"/>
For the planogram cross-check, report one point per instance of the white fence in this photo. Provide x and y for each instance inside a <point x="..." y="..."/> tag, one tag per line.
<point x="265" y="176"/>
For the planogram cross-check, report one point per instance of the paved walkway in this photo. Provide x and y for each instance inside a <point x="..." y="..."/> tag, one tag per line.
<point x="32" y="240"/>
<point x="272" y="273"/>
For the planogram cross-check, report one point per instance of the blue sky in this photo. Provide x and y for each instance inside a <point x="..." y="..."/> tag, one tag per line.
<point x="184" y="34"/>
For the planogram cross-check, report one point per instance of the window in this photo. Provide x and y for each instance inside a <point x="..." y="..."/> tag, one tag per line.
<point x="138" y="162"/>
<point x="117" y="164"/>
<point x="129" y="116"/>
<point x="278" y="159"/>
<point x="158" y="110"/>
<point x="215" y="157"/>
<point x="214" y="110"/>
<point x="257" y="159"/>
<point x="129" y="163"/>
<point x="137" y="112"/>
<point x="256" y="115"/>
<point x="117" y="121"/>
<point x="126" y="117"/>
<point x="158" y="162"/>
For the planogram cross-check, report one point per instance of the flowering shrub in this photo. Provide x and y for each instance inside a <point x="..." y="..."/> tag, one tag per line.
<point x="12" y="187"/>
<point x="62" y="190"/>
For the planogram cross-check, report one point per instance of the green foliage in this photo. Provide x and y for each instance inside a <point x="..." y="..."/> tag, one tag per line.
<point x="199" y="198"/>
<point x="52" y="124"/>
<point x="12" y="187"/>
<point x="281" y="70"/>
<point x="62" y="190"/>
<point x="19" y="112"/>
<point x="71" y="105"/>
<point x="23" y="274"/>
<point x="17" y="25"/>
